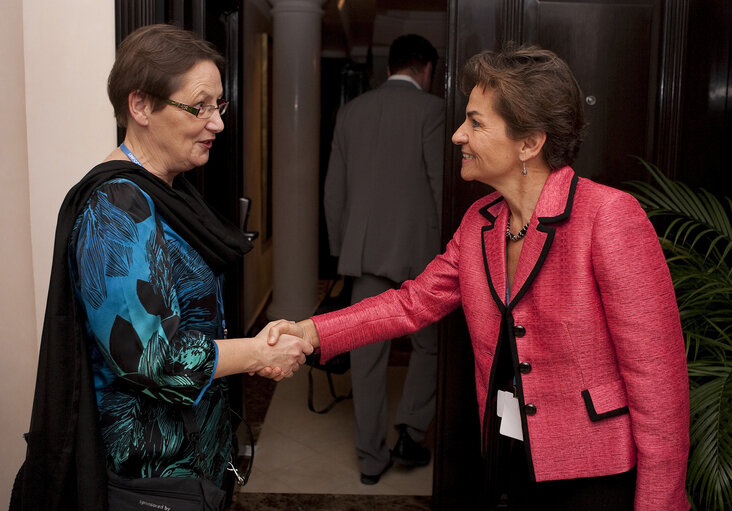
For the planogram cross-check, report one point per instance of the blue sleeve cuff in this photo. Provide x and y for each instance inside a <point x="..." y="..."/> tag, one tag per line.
<point x="213" y="372"/>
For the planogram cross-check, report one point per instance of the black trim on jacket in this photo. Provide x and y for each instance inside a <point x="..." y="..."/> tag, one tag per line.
<point x="594" y="416"/>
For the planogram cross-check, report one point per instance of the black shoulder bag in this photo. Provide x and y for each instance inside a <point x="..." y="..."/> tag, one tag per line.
<point x="337" y="365"/>
<point x="173" y="493"/>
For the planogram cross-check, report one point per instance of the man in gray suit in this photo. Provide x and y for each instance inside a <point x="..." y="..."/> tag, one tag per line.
<point x="383" y="202"/>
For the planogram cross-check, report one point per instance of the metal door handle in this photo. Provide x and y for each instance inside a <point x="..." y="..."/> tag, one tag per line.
<point x="244" y="206"/>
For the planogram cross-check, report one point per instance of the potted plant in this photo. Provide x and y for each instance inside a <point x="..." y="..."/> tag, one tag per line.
<point x="696" y="236"/>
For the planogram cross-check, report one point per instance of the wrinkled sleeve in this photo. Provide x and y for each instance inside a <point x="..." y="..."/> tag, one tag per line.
<point x="417" y="303"/>
<point x="125" y="284"/>
<point x="643" y="319"/>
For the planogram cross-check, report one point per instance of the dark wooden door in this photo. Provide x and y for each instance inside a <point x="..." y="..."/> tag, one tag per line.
<point x="220" y="180"/>
<point x="458" y="466"/>
<point x="612" y="48"/>
<point x="707" y="98"/>
<point x="628" y="58"/>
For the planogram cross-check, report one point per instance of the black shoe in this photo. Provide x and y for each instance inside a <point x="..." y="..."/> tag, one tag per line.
<point x="409" y="453"/>
<point x="370" y="480"/>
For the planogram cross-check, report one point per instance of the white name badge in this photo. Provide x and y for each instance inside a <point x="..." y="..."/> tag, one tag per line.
<point x="507" y="408"/>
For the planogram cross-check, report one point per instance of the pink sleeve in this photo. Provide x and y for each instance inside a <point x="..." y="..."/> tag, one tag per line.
<point x="643" y="319"/>
<point x="417" y="303"/>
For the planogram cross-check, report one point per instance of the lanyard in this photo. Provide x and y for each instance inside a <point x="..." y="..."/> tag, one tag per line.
<point x="220" y="303"/>
<point x="129" y="154"/>
<point x="219" y="291"/>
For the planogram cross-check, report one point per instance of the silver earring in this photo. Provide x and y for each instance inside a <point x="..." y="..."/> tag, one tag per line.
<point x="523" y="171"/>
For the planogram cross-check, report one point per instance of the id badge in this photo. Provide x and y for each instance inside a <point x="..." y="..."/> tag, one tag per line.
<point x="507" y="408"/>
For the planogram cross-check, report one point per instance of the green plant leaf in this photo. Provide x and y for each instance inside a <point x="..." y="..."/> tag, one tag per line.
<point x="697" y="241"/>
<point x="710" y="462"/>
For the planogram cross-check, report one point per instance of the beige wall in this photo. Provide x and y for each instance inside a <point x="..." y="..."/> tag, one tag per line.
<point x="56" y="123"/>
<point x="17" y="308"/>
<point x="69" y="50"/>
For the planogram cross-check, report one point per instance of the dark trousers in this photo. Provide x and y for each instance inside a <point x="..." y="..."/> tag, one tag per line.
<point x="368" y="378"/>
<point x="606" y="493"/>
<point x="508" y="485"/>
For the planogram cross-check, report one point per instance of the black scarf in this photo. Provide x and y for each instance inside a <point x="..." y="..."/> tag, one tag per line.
<point x="65" y="462"/>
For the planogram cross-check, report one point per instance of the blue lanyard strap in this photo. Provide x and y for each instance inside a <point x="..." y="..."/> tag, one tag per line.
<point x="129" y="154"/>
<point x="220" y="303"/>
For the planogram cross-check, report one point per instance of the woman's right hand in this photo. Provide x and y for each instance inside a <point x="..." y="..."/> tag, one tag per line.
<point x="257" y="356"/>
<point x="281" y="359"/>
<point x="304" y="329"/>
<point x="279" y="331"/>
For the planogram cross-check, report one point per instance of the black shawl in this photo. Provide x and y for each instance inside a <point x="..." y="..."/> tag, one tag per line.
<point x="65" y="462"/>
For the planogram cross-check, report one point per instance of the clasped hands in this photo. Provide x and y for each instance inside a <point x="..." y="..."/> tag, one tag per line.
<point x="287" y="345"/>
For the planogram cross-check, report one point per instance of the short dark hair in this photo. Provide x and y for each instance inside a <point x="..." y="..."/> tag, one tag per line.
<point x="152" y="59"/>
<point x="534" y="90"/>
<point x="411" y="51"/>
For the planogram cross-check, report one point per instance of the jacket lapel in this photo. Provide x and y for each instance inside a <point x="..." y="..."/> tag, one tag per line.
<point x="554" y="206"/>
<point x="533" y="252"/>
<point x="494" y="249"/>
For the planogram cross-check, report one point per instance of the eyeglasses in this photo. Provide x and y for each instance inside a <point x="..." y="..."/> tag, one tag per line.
<point x="203" y="111"/>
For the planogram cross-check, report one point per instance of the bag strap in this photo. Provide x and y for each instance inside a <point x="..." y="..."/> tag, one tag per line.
<point x="242" y="480"/>
<point x="336" y="398"/>
<point x="193" y="434"/>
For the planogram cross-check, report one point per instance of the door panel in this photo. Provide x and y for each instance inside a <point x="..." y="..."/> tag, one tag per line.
<point x="219" y="180"/>
<point x="457" y="482"/>
<point x="629" y="57"/>
<point x="611" y="49"/>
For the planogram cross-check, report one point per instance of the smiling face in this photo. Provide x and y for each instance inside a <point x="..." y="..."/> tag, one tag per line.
<point x="182" y="141"/>
<point x="488" y="154"/>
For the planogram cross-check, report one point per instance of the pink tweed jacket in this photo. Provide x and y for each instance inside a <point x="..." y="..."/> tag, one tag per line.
<point x="592" y="324"/>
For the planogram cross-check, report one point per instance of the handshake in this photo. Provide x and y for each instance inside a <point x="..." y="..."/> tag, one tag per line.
<point x="281" y="348"/>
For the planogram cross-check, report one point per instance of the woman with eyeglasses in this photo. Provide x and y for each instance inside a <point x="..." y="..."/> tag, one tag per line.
<point x="134" y="349"/>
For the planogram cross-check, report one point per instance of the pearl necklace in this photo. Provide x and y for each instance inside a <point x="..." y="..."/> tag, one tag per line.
<point x="521" y="233"/>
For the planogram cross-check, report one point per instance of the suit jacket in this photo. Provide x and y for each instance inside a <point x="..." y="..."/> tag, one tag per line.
<point x="592" y="325"/>
<point x="383" y="189"/>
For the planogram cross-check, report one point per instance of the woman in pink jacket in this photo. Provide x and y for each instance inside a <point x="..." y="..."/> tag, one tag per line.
<point x="568" y="300"/>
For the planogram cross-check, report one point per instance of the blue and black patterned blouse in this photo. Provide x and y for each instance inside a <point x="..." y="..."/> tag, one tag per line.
<point x="153" y="309"/>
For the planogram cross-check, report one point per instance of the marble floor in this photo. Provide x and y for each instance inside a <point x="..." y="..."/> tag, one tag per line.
<point x="307" y="461"/>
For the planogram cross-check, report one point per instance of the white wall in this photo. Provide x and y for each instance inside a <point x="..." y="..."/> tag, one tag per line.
<point x="56" y="123"/>
<point x="17" y="308"/>
<point x="69" y="51"/>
